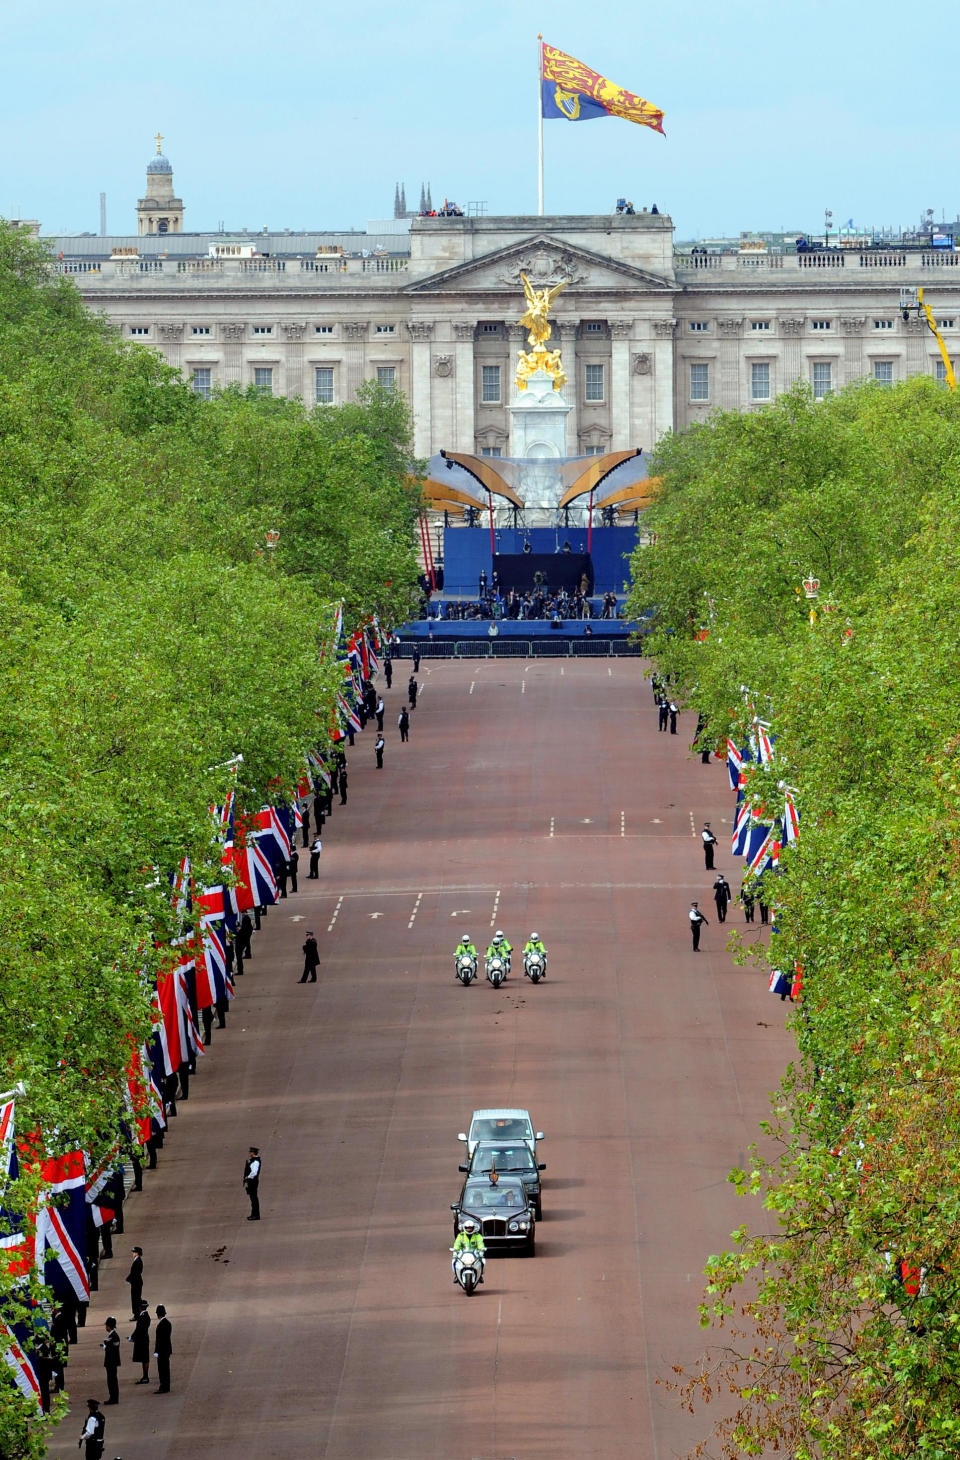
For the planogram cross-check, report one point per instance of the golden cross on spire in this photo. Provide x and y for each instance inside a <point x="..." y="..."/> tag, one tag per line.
<point x="158" y="139"/>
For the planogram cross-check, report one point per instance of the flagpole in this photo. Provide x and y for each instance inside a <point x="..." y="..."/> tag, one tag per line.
<point x="540" y="126"/>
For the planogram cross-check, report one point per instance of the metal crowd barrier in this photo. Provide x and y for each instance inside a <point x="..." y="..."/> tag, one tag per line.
<point x="497" y="648"/>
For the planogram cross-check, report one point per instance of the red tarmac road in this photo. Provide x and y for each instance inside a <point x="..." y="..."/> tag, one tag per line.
<point x="532" y="795"/>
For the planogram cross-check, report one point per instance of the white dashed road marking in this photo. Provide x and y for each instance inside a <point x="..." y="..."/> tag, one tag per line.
<point x="334" y="917"/>
<point x="693" y="825"/>
<point x="416" y="906"/>
<point x="496" y="904"/>
<point x="552" y="820"/>
<point x="472" y="683"/>
<point x="623" y="823"/>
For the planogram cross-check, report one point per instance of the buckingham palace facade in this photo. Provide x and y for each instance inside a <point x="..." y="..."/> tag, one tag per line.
<point x="652" y="337"/>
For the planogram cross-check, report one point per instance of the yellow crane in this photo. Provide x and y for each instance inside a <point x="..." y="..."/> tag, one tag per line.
<point x="911" y="299"/>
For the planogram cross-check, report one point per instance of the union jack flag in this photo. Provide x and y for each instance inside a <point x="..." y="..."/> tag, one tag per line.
<point x="348" y="714"/>
<point x="19" y="1362"/>
<point x="741" y="829"/>
<point x="273" y="834"/>
<point x="791" y="817"/>
<point x="62" y="1225"/>
<point x="764" y="742"/>
<point x="734" y="764"/>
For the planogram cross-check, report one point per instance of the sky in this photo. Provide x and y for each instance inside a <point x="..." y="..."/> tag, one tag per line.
<point x="288" y="114"/>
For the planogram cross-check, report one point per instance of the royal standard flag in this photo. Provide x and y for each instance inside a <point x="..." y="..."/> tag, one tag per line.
<point x="570" y="89"/>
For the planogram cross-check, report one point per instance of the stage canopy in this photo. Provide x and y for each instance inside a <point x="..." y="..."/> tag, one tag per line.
<point x="455" y="480"/>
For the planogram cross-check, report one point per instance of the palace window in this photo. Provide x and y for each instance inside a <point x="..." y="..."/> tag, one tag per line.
<point x="593" y="450"/>
<point x="945" y="324"/>
<point x="883" y="371"/>
<point x="263" y="329"/>
<point x="883" y="324"/>
<point x="201" y="383"/>
<point x="490" y="385"/>
<point x="387" y="376"/>
<point x="821" y="324"/>
<point x="489" y="328"/>
<point x="490" y="451"/>
<point x="699" y="326"/>
<point x="760" y="380"/>
<point x="385" y="329"/>
<point x="263" y="379"/>
<point x="759" y="324"/>
<point x="323" y="385"/>
<point x="593" y="382"/>
<point x="940" y="370"/>
<point x="594" y="326"/>
<point x="822" y="379"/>
<point x="323" y="329"/>
<point x="699" y="382"/>
<point x="199" y="329"/>
<point x="140" y="329"/>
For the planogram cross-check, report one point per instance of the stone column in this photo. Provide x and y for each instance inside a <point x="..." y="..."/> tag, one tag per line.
<point x="171" y="336"/>
<point x="641" y="426"/>
<point x="790" y="330"/>
<point x="232" y="336"/>
<point x="293" y="363"/>
<point x="420" y="332"/>
<point x="852" y="328"/>
<point x="662" y="414"/>
<point x="354" y="332"/>
<point x="729" y="396"/>
<point x="621" y="414"/>
<point x="465" y="415"/>
<point x="567" y="330"/>
<point x="917" y="332"/>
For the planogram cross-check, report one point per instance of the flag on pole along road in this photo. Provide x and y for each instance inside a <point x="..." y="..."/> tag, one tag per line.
<point x="348" y="715"/>
<point x="734" y="763"/>
<point x="16" y="1254"/>
<point x="61" y="1235"/>
<point x="168" y="1028"/>
<point x="272" y="833"/>
<point x="764" y="742"/>
<point x="741" y="830"/>
<point x="570" y="90"/>
<point x="791" y="817"/>
<point x="19" y="1361"/>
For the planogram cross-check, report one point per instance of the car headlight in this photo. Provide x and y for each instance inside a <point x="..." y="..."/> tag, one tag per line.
<point x="522" y="1226"/>
<point x="514" y="1227"/>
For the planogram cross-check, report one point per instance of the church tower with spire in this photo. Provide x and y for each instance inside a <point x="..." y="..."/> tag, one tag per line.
<point x="158" y="211"/>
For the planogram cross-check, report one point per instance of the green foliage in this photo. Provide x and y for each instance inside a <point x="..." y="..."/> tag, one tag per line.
<point x="148" y="636"/>
<point x="828" y="1355"/>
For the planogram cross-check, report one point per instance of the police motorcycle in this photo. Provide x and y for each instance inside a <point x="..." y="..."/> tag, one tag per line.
<point x="497" y="962"/>
<point x="465" y="966"/>
<point x="535" y="961"/>
<point x="468" y="1263"/>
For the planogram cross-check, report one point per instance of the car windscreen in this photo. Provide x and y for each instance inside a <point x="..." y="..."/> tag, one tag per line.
<point x="480" y="1196"/>
<point x="504" y="1158"/>
<point x="508" y="1128"/>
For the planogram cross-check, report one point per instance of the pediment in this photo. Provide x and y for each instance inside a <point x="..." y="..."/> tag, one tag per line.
<point x="545" y="261"/>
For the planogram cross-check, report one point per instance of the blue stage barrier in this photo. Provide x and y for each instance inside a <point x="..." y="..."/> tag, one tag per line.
<point x="466" y="550"/>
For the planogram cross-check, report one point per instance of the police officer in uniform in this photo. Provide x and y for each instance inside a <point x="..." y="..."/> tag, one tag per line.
<point x="251" y="1182"/>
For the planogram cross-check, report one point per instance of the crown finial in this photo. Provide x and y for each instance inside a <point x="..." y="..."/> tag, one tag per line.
<point x="158" y="139"/>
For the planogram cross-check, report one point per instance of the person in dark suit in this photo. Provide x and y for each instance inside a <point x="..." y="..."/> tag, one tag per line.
<point x="747" y="899"/>
<point x="416" y="659"/>
<point x="403" y="721"/>
<point x="280" y="873"/>
<point x="697" y="921"/>
<point x="251" y="1182"/>
<point x="162" y="1349"/>
<point x="343" y="785"/>
<point x="140" y="1338"/>
<point x="721" y="896"/>
<point x="244" y="937"/>
<point x="388" y="672"/>
<point x="135" y="1278"/>
<point x="311" y="959"/>
<point x="111" y="1360"/>
<point x="378" y="751"/>
<point x="662" y="714"/>
<point x="305" y="824"/>
<point x="292" y="867"/>
<point x="412" y="692"/>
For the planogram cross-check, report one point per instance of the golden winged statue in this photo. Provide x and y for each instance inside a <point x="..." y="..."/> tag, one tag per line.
<point x="537" y="324"/>
<point x="538" y="304"/>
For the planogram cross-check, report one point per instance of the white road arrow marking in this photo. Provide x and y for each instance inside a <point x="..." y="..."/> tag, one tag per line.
<point x="461" y="912"/>
<point x="298" y="918"/>
<point x="374" y="915"/>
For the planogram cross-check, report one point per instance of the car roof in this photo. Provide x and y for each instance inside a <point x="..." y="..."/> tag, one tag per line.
<point x="505" y="1112"/>
<point x="509" y="1183"/>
